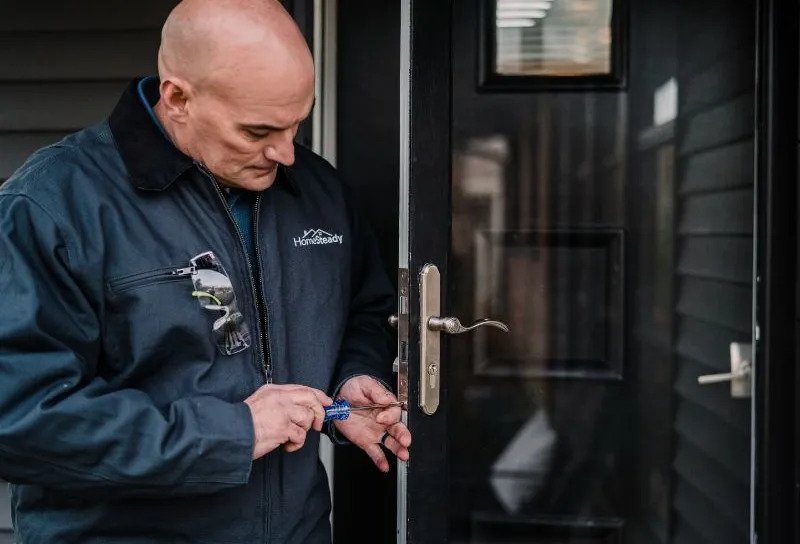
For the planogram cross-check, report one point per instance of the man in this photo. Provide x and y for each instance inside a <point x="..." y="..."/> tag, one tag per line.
<point x="184" y="290"/>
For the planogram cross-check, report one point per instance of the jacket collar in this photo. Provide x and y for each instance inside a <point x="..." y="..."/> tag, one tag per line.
<point x="152" y="161"/>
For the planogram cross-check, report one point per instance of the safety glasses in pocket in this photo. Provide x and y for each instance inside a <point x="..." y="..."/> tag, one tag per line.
<point x="214" y="291"/>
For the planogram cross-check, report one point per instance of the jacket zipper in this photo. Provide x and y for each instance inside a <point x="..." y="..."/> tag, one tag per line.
<point x="261" y="305"/>
<point x="267" y="362"/>
<point x="265" y="346"/>
<point x="146" y="278"/>
<point x="263" y="319"/>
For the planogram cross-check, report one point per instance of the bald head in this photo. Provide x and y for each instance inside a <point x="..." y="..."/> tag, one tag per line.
<point x="237" y="79"/>
<point x="204" y="41"/>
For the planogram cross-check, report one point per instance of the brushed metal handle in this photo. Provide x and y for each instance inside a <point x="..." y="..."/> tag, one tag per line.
<point x="431" y="325"/>
<point x="726" y="377"/>
<point x="452" y="325"/>
<point x="740" y="376"/>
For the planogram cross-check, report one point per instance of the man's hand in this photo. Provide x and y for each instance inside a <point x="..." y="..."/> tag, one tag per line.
<point x="366" y="428"/>
<point x="283" y="414"/>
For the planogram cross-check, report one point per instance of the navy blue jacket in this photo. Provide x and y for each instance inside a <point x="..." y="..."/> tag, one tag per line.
<point x="120" y="419"/>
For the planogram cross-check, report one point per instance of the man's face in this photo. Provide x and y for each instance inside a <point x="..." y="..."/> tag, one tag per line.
<point x="241" y="134"/>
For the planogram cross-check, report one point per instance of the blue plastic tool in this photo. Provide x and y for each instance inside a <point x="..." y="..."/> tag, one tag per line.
<point x="339" y="410"/>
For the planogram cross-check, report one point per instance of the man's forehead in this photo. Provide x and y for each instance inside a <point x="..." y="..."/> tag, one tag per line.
<point x="280" y="118"/>
<point x="258" y="100"/>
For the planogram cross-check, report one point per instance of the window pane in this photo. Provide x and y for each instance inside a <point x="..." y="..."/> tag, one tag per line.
<point x="553" y="37"/>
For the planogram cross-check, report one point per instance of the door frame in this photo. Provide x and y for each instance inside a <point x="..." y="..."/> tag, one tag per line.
<point x="425" y="76"/>
<point x="776" y="410"/>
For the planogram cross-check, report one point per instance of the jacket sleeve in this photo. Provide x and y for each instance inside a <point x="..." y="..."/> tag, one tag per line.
<point x="61" y="425"/>
<point x="365" y="345"/>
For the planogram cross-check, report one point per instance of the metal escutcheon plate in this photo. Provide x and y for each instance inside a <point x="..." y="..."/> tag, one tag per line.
<point x="430" y="366"/>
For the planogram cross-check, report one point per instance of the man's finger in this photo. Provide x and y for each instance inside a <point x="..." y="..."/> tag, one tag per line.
<point x="291" y="447"/>
<point x="321" y="397"/>
<point x="396" y="448"/>
<point x="306" y="398"/>
<point x="379" y="394"/>
<point x="401" y="434"/>
<point x="375" y="453"/>
<point x="303" y="416"/>
<point x="389" y="416"/>
<point x="296" y="435"/>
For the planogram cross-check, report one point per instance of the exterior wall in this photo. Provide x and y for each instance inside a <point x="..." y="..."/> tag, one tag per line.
<point x="62" y="67"/>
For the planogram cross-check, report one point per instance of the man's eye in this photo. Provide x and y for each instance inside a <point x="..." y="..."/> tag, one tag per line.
<point x="256" y="135"/>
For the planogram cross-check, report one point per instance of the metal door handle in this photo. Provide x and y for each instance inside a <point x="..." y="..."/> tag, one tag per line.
<point x="741" y="371"/>
<point x="726" y="377"/>
<point x="451" y="325"/>
<point x="394" y="320"/>
<point x="431" y="327"/>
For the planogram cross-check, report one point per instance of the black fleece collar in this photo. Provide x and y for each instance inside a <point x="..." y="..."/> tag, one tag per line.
<point x="153" y="162"/>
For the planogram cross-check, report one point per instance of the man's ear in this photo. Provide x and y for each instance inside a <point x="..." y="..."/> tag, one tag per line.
<point x="175" y="94"/>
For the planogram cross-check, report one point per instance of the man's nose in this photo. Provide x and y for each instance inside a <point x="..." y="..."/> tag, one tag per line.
<point x="281" y="149"/>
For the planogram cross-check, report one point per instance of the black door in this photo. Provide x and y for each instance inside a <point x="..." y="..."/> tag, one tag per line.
<point x="584" y="172"/>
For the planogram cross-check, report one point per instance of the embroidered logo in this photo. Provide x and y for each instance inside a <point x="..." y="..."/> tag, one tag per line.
<point x="315" y="237"/>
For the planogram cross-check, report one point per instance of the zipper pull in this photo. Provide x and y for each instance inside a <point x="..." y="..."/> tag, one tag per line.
<point x="188" y="271"/>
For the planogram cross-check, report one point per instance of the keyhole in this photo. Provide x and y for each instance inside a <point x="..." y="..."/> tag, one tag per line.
<point x="433" y="370"/>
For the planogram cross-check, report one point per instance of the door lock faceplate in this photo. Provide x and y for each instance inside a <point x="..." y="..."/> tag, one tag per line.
<point x="429" y="364"/>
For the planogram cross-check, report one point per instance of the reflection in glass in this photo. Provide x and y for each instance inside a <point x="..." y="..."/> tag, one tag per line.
<point x="536" y="239"/>
<point x="562" y="290"/>
<point x="553" y="37"/>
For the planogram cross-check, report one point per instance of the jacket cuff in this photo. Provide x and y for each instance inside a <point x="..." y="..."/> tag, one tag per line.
<point x="226" y="440"/>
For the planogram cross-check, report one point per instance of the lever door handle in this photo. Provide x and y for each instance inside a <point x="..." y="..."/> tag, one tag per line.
<point x="452" y="325"/>
<point x="431" y="327"/>
<point x="725" y="377"/>
<point x="740" y="374"/>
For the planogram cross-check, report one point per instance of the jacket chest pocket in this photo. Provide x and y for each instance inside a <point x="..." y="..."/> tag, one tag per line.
<point x="152" y="320"/>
